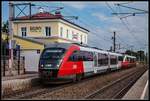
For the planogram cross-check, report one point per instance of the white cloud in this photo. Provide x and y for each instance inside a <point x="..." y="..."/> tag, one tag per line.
<point x="137" y="24"/>
<point x="137" y="35"/>
<point x="78" y="5"/>
<point x="108" y="19"/>
<point x="81" y="5"/>
<point x="100" y="16"/>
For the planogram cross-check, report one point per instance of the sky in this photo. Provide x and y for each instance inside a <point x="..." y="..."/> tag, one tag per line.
<point x="97" y="17"/>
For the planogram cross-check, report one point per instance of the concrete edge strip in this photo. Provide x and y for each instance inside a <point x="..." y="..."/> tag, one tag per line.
<point x="144" y="91"/>
<point x="18" y="84"/>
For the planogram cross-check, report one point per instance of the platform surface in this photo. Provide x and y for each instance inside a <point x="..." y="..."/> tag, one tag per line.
<point x="139" y="90"/>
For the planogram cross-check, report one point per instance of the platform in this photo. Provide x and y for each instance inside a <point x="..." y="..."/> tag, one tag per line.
<point x="139" y="90"/>
<point x="19" y="82"/>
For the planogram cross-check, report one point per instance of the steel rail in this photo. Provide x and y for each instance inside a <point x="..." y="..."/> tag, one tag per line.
<point x="99" y="91"/>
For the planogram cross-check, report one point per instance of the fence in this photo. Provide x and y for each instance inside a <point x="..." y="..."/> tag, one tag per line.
<point x="17" y="68"/>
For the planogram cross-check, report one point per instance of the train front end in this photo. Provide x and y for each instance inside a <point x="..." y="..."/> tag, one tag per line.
<point x="49" y="64"/>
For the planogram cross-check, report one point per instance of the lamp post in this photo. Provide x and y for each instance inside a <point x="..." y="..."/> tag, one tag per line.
<point x="10" y="37"/>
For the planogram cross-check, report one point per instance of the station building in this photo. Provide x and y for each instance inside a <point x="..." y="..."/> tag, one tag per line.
<point x="32" y="33"/>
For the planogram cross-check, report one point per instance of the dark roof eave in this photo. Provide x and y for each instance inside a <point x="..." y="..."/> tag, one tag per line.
<point x="28" y="39"/>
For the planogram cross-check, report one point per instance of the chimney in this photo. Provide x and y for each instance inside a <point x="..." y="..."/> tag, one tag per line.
<point x="41" y="10"/>
<point x="58" y="13"/>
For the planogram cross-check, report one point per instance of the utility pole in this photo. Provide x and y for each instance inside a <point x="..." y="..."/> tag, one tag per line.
<point x="114" y="41"/>
<point x="10" y="37"/>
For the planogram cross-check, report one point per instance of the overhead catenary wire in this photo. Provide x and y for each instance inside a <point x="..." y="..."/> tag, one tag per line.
<point x="122" y="22"/>
<point x="93" y="33"/>
<point x="87" y="24"/>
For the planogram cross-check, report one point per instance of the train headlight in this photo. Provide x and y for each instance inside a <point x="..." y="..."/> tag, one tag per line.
<point x="42" y="66"/>
<point x="59" y="63"/>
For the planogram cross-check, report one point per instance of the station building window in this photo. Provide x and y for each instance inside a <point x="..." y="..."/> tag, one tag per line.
<point x="48" y="31"/>
<point x="72" y="35"/>
<point x="67" y="33"/>
<point x="24" y="31"/>
<point x="81" y="37"/>
<point x="77" y="35"/>
<point x="85" y="39"/>
<point x="61" y="31"/>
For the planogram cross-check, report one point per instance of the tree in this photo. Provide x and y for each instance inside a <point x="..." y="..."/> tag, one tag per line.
<point x="129" y="52"/>
<point x="141" y="55"/>
<point x="5" y="26"/>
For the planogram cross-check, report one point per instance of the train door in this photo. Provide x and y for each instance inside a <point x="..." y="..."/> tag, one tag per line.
<point x="95" y="62"/>
<point x="120" y="59"/>
<point x="108" y="61"/>
<point x="87" y="61"/>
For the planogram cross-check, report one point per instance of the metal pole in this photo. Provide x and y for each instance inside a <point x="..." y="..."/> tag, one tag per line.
<point x="10" y="37"/>
<point x="114" y="41"/>
<point x="30" y="10"/>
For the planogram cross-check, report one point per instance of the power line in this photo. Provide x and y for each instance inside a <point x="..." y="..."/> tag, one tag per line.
<point x="144" y="11"/>
<point x="123" y="22"/>
<point x="92" y="29"/>
<point x="89" y="21"/>
<point x="93" y="32"/>
<point x="130" y="32"/>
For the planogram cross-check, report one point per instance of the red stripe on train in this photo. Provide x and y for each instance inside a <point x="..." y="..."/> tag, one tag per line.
<point x="70" y="67"/>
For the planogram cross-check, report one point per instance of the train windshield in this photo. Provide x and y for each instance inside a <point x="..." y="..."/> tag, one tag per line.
<point x="51" y="57"/>
<point x="53" y="53"/>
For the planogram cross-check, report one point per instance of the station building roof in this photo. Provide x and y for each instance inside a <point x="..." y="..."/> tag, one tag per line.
<point x="46" y="15"/>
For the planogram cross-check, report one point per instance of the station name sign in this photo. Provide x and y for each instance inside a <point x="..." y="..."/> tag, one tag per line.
<point x="35" y="29"/>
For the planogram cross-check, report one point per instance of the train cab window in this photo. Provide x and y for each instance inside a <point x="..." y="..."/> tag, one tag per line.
<point x="52" y="53"/>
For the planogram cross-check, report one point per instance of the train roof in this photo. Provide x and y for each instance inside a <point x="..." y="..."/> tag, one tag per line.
<point x="118" y="54"/>
<point x="62" y="45"/>
<point x="130" y="56"/>
<point x="91" y="49"/>
<point x="82" y="46"/>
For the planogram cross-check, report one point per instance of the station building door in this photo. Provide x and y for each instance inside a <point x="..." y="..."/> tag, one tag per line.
<point x="31" y="59"/>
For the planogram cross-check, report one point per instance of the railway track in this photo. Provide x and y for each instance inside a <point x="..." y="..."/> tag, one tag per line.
<point x="117" y="89"/>
<point x="38" y="90"/>
<point x="42" y="91"/>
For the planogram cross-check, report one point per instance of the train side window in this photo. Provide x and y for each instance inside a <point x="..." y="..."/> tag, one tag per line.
<point x="74" y="56"/>
<point x="120" y="58"/>
<point x="106" y="59"/>
<point x="113" y="59"/>
<point x="99" y="59"/>
<point x="81" y="56"/>
<point x="85" y="56"/>
<point x="102" y="59"/>
<point x="95" y="60"/>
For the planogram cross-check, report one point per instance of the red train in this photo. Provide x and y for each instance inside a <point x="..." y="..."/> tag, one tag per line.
<point x="65" y="61"/>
